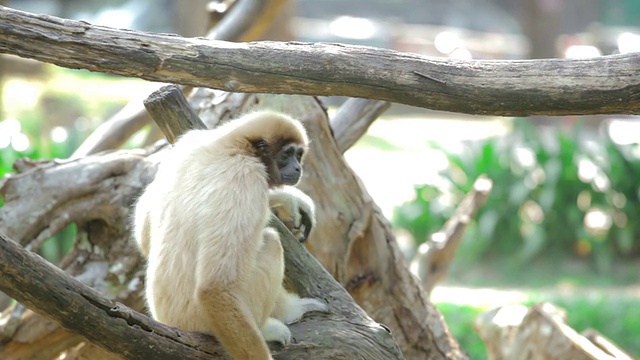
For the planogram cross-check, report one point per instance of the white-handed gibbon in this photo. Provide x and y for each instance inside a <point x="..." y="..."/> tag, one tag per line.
<point x="214" y="265"/>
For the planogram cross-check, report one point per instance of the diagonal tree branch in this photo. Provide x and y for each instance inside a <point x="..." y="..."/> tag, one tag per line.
<point x="247" y="20"/>
<point x="609" y="84"/>
<point x="434" y="256"/>
<point x="78" y="308"/>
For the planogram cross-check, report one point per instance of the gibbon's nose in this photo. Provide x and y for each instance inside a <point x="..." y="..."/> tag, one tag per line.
<point x="297" y="169"/>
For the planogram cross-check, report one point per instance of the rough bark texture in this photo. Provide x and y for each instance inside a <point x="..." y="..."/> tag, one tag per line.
<point x="609" y="84"/>
<point x="353" y="240"/>
<point x="179" y="117"/>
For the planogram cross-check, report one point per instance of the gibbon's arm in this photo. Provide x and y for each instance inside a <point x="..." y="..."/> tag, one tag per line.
<point x="295" y="209"/>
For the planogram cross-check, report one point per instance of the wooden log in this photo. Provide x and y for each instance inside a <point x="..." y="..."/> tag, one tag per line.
<point x="169" y="105"/>
<point x="603" y="85"/>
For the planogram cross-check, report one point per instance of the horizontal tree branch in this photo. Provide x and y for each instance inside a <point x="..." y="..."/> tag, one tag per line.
<point x="609" y="84"/>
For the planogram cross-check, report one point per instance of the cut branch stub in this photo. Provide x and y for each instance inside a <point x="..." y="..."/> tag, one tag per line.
<point x="171" y="111"/>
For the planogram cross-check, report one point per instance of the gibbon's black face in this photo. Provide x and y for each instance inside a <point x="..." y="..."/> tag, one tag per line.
<point x="283" y="162"/>
<point x="289" y="163"/>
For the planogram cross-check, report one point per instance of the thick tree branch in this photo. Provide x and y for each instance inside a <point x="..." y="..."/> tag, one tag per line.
<point x="609" y="84"/>
<point x="76" y="307"/>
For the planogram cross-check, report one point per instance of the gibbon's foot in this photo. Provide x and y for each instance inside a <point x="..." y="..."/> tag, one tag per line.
<point x="295" y="209"/>
<point x="300" y="306"/>
<point x="276" y="331"/>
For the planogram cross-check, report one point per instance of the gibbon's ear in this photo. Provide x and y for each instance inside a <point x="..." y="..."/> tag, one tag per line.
<point x="264" y="151"/>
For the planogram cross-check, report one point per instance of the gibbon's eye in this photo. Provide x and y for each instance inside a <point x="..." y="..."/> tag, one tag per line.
<point x="285" y="154"/>
<point x="299" y="154"/>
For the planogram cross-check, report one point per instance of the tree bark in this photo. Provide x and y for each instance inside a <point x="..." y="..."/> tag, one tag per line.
<point x="608" y="84"/>
<point x="353" y="118"/>
<point x="178" y="117"/>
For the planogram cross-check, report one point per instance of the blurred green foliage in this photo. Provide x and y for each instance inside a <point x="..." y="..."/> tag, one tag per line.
<point x="555" y="194"/>
<point x="60" y="108"/>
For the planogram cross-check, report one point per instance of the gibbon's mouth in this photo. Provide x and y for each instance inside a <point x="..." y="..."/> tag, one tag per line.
<point x="290" y="180"/>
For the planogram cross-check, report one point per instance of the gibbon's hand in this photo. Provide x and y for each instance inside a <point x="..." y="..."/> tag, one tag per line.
<point x="295" y="209"/>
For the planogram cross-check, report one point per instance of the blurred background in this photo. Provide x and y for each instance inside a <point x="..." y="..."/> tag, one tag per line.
<point x="560" y="223"/>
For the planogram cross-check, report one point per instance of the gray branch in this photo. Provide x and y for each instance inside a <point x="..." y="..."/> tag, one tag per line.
<point x="604" y="85"/>
<point x="238" y="20"/>
<point x="353" y="118"/>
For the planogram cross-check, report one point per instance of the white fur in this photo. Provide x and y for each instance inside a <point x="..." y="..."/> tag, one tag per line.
<point x="213" y="264"/>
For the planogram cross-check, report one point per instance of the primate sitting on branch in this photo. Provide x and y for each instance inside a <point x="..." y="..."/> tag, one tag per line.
<point x="214" y="264"/>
